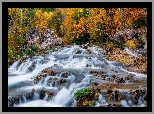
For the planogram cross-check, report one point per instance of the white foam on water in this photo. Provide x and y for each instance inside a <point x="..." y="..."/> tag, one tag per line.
<point x="12" y="68"/>
<point x="124" y="103"/>
<point x="87" y="78"/>
<point x="38" y="103"/>
<point x="46" y="96"/>
<point x="16" y="79"/>
<point x="23" y="65"/>
<point x="139" y="75"/>
<point x="45" y="80"/>
<point x="130" y="102"/>
<point x="15" y="73"/>
<point x="129" y="52"/>
<point x="24" y="98"/>
<point x="63" y="96"/>
<point x="36" y="96"/>
<point x="36" y="87"/>
<point x="29" y="76"/>
<point x="101" y="101"/>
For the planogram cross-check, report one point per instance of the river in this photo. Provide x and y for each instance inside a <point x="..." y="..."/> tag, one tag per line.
<point x="71" y="66"/>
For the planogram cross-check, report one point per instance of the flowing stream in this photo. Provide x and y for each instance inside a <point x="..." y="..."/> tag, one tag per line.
<point x="71" y="66"/>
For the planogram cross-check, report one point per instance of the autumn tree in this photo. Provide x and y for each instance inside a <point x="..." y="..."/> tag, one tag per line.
<point x="17" y="29"/>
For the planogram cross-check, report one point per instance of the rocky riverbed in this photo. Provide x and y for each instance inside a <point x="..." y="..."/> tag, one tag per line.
<point x="50" y="80"/>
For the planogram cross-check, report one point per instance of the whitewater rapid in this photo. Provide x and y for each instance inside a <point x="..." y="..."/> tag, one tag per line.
<point x="21" y="79"/>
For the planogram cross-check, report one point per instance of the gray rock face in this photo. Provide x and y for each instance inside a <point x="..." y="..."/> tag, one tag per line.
<point x="48" y="43"/>
<point x="45" y="40"/>
<point x="141" y="51"/>
<point x="124" y="35"/>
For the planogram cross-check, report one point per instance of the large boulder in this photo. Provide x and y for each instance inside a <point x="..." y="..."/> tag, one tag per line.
<point x="48" y="43"/>
<point x="44" y="40"/>
<point x="33" y="36"/>
<point x="125" y="35"/>
<point x="50" y="39"/>
<point x="141" y="51"/>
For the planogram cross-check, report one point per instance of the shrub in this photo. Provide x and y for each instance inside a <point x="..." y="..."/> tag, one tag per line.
<point x="142" y="21"/>
<point x="52" y="48"/>
<point x="32" y="50"/>
<point x="130" y="44"/>
<point x="82" y="92"/>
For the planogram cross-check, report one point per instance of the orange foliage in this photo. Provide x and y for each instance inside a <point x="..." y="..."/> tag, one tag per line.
<point x="42" y="18"/>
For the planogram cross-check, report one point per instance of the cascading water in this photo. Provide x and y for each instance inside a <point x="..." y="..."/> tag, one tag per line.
<point x="64" y="60"/>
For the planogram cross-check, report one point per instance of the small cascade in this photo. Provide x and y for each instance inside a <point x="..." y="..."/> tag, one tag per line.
<point x="51" y="80"/>
<point x="24" y="99"/>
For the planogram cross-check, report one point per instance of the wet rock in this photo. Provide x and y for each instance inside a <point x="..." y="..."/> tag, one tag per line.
<point x="88" y="51"/>
<point x="122" y="80"/>
<point x="50" y="94"/>
<point x="110" y="96"/>
<point x="55" y="65"/>
<point x="62" y="81"/>
<point x="49" y="71"/>
<point x="78" y="52"/>
<point x="31" y="94"/>
<point x="95" y="83"/>
<point x="64" y="74"/>
<point x="145" y="97"/>
<point x="109" y="105"/>
<point x="35" y="81"/>
<point x="114" y="95"/>
<point x="88" y="100"/>
<point x="42" y="93"/>
<point x="87" y="65"/>
<point x="56" y="82"/>
<point x="14" y="100"/>
<point x="96" y="96"/>
<point x="109" y="79"/>
<point x="103" y="77"/>
<point x="11" y="104"/>
<point x="119" y="79"/>
<point x="100" y="72"/>
<point x="21" y="61"/>
<point x="32" y="67"/>
<point x="116" y="105"/>
<point x="88" y="103"/>
<point x="129" y="77"/>
<point x="95" y="74"/>
<point x="118" y="95"/>
<point x="113" y="105"/>
<point x="113" y="76"/>
<point x="39" y="77"/>
<point x="46" y="70"/>
<point x="136" y="94"/>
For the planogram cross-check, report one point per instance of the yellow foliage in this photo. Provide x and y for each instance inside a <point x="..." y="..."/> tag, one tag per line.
<point x="74" y="23"/>
<point x="131" y="44"/>
<point x="42" y="19"/>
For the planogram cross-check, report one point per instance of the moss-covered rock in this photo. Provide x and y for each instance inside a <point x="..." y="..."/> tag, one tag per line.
<point x="86" y="97"/>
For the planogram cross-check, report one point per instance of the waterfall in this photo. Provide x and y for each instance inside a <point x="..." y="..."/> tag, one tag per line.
<point x="71" y="73"/>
